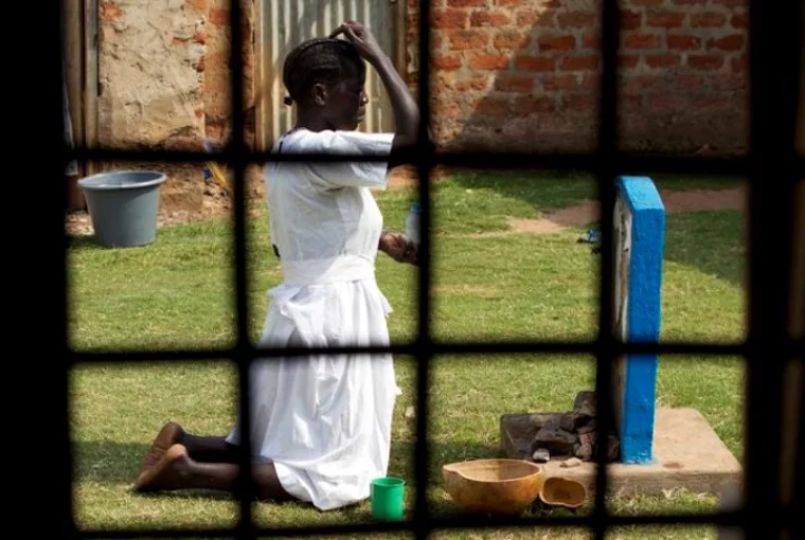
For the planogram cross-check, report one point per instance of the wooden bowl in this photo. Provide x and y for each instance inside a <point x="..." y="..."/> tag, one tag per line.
<point x="563" y="492"/>
<point x="493" y="486"/>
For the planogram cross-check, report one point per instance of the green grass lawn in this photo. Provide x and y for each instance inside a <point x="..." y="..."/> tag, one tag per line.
<point x="176" y="293"/>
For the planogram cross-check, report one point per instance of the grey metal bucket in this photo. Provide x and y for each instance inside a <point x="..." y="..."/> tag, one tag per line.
<point x="123" y="206"/>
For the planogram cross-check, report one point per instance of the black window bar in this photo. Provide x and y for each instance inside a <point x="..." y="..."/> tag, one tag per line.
<point x="773" y="167"/>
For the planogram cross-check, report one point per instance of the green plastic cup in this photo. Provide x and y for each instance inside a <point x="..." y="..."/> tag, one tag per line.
<point x="387" y="496"/>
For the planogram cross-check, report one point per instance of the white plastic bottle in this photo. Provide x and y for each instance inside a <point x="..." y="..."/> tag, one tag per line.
<point x="412" y="223"/>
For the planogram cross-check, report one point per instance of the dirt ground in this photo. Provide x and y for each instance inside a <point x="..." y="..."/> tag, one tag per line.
<point x="674" y="201"/>
<point x="217" y="203"/>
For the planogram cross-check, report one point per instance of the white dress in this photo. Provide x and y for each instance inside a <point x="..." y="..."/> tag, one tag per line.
<point x="325" y="421"/>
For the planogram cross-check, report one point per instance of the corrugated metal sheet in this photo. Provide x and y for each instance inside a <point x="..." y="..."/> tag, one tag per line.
<point x="283" y="24"/>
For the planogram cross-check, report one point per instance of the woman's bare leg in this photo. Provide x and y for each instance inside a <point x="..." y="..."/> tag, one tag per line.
<point x="170" y="434"/>
<point x="177" y="470"/>
<point x="211" y="449"/>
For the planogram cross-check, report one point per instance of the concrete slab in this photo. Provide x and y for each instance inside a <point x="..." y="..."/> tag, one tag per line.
<point x="687" y="454"/>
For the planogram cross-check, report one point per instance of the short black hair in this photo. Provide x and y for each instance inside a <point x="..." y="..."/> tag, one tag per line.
<point x="320" y="60"/>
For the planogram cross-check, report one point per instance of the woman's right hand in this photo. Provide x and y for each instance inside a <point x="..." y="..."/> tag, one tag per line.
<point x="399" y="248"/>
<point x="362" y="38"/>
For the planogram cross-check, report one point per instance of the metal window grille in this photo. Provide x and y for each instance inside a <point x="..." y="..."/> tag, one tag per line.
<point x="773" y="168"/>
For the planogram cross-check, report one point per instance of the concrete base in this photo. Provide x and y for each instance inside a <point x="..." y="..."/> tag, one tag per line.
<point x="687" y="454"/>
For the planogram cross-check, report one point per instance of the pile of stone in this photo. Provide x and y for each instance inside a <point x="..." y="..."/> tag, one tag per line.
<point x="571" y="434"/>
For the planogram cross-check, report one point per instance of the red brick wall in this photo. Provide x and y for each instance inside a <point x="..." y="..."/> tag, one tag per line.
<point x="216" y="87"/>
<point x="524" y="74"/>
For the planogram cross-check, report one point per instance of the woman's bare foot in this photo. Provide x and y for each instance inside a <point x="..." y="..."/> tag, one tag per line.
<point x="168" y="473"/>
<point x="170" y="434"/>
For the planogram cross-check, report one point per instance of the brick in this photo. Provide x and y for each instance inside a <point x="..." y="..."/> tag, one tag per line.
<point x="514" y="83"/>
<point x="489" y="18"/>
<point x="631" y="20"/>
<point x="665" y="19"/>
<point x="449" y="18"/>
<point x="683" y="42"/>
<point x="535" y="63"/>
<point x="631" y="104"/>
<point x="557" y="43"/>
<point x="591" y="41"/>
<point x="739" y="64"/>
<point x="478" y="84"/>
<point x="733" y="42"/>
<point x="489" y="61"/>
<point x="591" y="82"/>
<point x="579" y="102"/>
<point x="467" y="39"/>
<point x="740" y="20"/>
<point x="559" y="82"/>
<point x="579" y="63"/>
<point x="638" y="40"/>
<point x="708" y="19"/>
<point x="446" y="62"/>
<point x="533" y="19"/>
<point x="667" y="102"/>
<point x="636" y="84"/>
<point x="493" y="105"/>
<point x="662" y="60"/>
<point x="466" y="3"/>
<point x="532" y="104"/>
<point x="628" y="60"/>
<point x="706" y="62"/>
<point x="577" y="19"/>
<point x="686" y="79"/>
<point x="511" y="40"/>
<point x="711" y="102"/>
